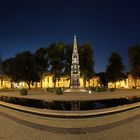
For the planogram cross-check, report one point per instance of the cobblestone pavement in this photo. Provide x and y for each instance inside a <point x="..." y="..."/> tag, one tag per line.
<point x="16" y="125"/>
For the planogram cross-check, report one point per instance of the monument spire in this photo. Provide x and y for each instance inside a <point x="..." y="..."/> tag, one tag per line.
<point x="75" y="45"/>
<point x="75" y="67"/>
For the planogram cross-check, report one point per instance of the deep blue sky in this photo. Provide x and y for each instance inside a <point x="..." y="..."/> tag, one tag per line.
<point x="109" y="25"/>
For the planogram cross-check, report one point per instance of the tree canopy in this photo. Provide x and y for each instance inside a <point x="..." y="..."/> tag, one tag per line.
<point x="55" y="59"/>
<point x="86" y="61"/>
<point x="7" y="67"/>
<point x="134" y="60"/>
<point x="68" y="57"/>
<point x="115" y="68"/>
<point x="25" y="67"/>
<point x="21" y="68"/>
<point x="41" y="62"/>
<point x="103" y="78"/>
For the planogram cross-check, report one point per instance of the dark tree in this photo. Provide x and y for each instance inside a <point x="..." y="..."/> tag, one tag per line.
<point x="103" y="78"/>
<point x="41" y="60"/>
<point x="7" y="68"/>
<point x="134" y="61"/>
<point x="1" y="65"/>
<point x="24" y="68"/>
<point x="115" y="68"/>
<point x="86" y="62"/>
<point x="56" y="60"/>
<point x="67" y="62"/>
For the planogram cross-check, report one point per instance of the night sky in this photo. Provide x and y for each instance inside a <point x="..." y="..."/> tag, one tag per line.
<point x="109" y="25"/>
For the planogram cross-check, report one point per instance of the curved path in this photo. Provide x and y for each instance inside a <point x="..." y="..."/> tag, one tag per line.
<point x="16" y="125"/>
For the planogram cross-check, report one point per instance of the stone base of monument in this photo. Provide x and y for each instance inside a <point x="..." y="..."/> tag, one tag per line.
<point x="75" y="90"/>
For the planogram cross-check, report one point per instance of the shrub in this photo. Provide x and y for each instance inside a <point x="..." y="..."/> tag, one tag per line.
<point x="23" y="91"/>
<point x="50" y="89"/>
<point x="59" y="91"/>
<point x="92" y="88"/>
<point x="112" y="89"/>
<point x="100" y="89"/>
<point x="134" y="99"/>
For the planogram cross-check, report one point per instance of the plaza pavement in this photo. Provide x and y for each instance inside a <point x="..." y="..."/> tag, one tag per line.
<point x="15" y="125"/>
<point x="48" y="96"/>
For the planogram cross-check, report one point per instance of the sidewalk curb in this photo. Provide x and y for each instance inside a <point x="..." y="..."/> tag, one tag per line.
<point x="71" y="114"/>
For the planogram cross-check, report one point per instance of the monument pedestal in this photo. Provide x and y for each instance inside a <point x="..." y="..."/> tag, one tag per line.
<point x="75" y="90"/>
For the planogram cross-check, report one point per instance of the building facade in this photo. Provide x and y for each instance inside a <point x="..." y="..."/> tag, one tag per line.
<point x="64" y="82"/>
<point x="47" y="82"/>
<point x="128" y="83"/>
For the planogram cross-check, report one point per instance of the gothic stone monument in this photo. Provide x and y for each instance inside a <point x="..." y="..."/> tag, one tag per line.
<point x="75" y="67"/>
<point x="75" y="77"/>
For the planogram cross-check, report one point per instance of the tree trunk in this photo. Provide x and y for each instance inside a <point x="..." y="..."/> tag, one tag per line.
<point x="89" y="83"/>
<point x="84" y="80"/>
<point x="35" y="85"/>
<point x="29" y="87"/>
<point x="115" y="85"/>
<point x="54" y="83"/>
<point x="135" y="81"/>
<point x="2" y="83"/>
<point x="41" y="83"/>
<point x="11" y="84"/>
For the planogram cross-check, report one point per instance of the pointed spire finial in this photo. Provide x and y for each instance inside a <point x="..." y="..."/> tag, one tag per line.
<point x="75" y="41"/>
